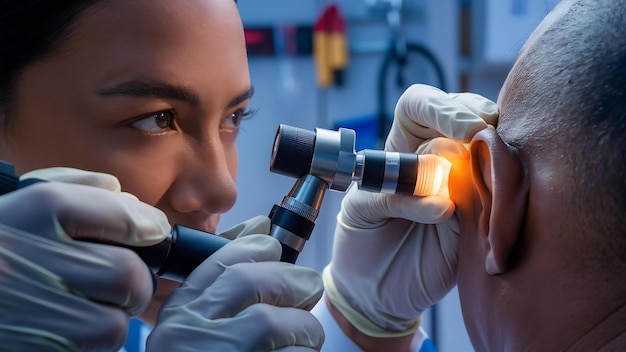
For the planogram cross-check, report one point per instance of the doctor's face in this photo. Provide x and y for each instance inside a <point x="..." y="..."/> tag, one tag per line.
<point x="151" y="91"/>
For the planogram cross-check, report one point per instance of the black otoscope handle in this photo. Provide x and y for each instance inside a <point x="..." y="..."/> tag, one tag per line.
<point x="183" y="249"/>
<point x="174" y="258"/>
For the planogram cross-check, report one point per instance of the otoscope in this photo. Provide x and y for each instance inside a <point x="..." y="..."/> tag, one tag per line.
<point x="319" y="160"/>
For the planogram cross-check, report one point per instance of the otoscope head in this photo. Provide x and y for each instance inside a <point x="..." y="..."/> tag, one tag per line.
<point x="326" y="154"/>
<point x="330" y="156"/>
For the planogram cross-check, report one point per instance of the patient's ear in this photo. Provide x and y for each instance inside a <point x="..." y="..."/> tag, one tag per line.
<point x="500" y="180"/>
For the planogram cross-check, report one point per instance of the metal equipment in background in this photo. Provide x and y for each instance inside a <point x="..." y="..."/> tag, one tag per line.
<point x="399" y="54"/>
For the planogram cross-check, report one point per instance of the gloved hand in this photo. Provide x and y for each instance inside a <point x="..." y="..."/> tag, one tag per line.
<point x="395" y="256"/>
<point x="242" y="299"/>
<point x="59" y="294"/>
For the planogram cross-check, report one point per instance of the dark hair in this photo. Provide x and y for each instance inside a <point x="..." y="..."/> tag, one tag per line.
<point x="31" y="30"/>
<point x="570" y="98"/>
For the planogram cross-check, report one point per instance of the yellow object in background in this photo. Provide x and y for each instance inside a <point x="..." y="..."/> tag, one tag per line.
<point x="320" y="53"/>
<point x="337" y="43"/>
<point x="330" y="48"/>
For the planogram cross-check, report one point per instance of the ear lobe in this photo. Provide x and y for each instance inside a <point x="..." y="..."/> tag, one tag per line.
<point x="502" y="186"/>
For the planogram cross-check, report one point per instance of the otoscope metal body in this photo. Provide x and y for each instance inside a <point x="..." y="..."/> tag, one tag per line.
<point x="330" y="155"/>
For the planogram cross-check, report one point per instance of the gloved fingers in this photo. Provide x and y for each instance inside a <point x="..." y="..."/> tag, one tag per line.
<point x="242" y="288"/>
<point x="101" y="273"/>
<point x="479" y="105"/>
<point x="257" y="225"/>
<point x="425" y="112"/>
<point x="16" y="340"/>
<point x="246" y="249"/>
<point x="430" y="107"/>
<point x="275" y="283"/>
<point x="361" y="209"/>
<point x="427" y="254"/>
<point x="67" y="332"/>
<point x="121" y="219"/>
<point x="296" y="349"/>
<point x="437" y="261"/>
<point x="423" y="210"/>
<point x="285" y="326"/>
<point x="38" y="304"/>
<point x="266" y="328"/>
<point x="48" y="339"/>
<point x="409" y="267"/>
<point x="63" y="210"/>
<point x="76" y="176"/>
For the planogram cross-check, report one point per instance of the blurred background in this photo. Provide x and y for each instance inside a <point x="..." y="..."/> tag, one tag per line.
<point x="382" y="47"/>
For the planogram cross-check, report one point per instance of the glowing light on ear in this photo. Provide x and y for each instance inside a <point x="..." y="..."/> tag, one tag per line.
<point x="432" y="176"/>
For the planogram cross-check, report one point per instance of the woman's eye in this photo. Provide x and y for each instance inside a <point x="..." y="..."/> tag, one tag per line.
<point x="157" y="122"/>
<point x="233" y="122"/>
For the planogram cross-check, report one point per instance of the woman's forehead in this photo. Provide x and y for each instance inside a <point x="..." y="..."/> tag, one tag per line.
<point x="149" y="17"/>
<point x="182" y="42"/>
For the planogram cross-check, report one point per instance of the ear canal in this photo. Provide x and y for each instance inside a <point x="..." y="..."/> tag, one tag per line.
<point x="502" y="186"/>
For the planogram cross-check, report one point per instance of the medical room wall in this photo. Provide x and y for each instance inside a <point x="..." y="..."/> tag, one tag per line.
<point x="463" y="36"/>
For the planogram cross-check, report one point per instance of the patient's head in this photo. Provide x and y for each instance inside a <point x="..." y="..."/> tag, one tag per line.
<point x="564" y="106"/>
<point x="542" y="253"/>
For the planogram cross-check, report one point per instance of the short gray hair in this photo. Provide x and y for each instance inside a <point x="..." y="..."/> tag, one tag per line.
<point x="569" y="97"/>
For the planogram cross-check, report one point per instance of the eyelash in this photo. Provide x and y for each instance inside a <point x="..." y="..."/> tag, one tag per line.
<point x="235" y="118"/>
<point x="242" y="116"/>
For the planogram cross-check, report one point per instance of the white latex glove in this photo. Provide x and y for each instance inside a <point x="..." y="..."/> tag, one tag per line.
<point x="60" y="294"/>
<point x="395" y="256"/>
<point x="242" y="299"/>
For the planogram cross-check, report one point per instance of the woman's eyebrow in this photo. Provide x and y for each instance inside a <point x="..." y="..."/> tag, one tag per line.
<point x="142" y="89"/>
<point x="138" y="88"/>
<point x="242" y="97"/>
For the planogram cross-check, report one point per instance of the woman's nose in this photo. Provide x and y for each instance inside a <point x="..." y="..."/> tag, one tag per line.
<point x="206" y="183"/>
